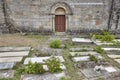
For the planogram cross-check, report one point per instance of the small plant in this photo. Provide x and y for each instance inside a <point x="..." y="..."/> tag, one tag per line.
<point x="55" y="44"/>
<point x="32" y="68"/>
<point x="93" y="58"/>
<point x="99" y="50"/>
<point x="53" y="64"/>
<point x="116" y="44"/>
<point x="63" y="78"/>
<point x="104" y="37"/>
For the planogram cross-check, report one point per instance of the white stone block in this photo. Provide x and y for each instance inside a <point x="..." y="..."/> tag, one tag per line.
<point x="81" y="40"/>
<point x="83" y="53"/>
<point x="41" y="59"/>
<point x="114" y="56"/>
<point x="108" y="49"/>
<point x="117" y="60"/>
<point x="14" y="54"/>
<point x="7" y="65"/>
<point x="84" y="58"/>
<point x="110" y="69"/>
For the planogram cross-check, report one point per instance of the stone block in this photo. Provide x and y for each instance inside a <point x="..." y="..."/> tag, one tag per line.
<point x="41" y="59"/>
<point x="7" y="65"/>
<point x="14" y="54"/>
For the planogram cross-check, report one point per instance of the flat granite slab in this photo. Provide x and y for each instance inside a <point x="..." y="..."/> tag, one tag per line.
<point x="41" y="59"/>
<point x="81" y="40"/>
<point x="7" y="65"/>
<point x="62" y="67"/>
<point x="14" y="54"/>
<point x="80" y="49"/>
<point x="110" y="69"/>
<point x="46" y="76"/>
<point x="7" y="74"/>
<point x="110" y="49"/>
<point x="114" y="56"/>
<point x="90" y="73"/>
<point x="83" y="53"/>
<point x="11" y="59"/>
<point x="84" y="58"/>
<point x="7" y="49"/>
<point x="117" y="60"/>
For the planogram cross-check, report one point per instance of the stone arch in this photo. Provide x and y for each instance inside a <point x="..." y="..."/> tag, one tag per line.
<point x="62" y="5"/>
<point x="60" y="11"/>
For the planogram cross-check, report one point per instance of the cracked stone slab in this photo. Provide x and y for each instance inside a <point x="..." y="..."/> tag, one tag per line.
<point x="11" y="59"/>
<point x="81" y="40"/>
<point x="7" y="49"/>
<point x="41" y="59"/>
<point x="7" y="74"/>
<point x="7" y="65"/>
<point x="14" y="54"/>
<point x="46" y="76"/>
<point x="83" y="53"/>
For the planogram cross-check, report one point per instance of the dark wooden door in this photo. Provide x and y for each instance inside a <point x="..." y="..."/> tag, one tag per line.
<point x="60" y="22"/>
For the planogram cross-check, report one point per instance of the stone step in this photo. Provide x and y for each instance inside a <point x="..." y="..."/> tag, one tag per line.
<point x="7" y="74"/>
<point x="7" y="49"/>
<point x="84" y="58"/>
<point x="41" y="59"/>
<point x="7" y="65"/>
<point x="11" y="59"/>
<point x="82" y="53"/>
<point x="14" y="54"/>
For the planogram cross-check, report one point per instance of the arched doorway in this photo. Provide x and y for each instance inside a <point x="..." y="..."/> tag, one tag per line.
<point x="60" y="20"/>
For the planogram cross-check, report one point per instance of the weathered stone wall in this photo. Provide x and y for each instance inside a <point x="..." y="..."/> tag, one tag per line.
<point x="35" y="15"/>
<point x="1" y="13"/>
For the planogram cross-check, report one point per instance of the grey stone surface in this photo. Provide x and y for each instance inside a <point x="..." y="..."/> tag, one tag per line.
<point x="47" y="76"/>
<point x="41" y="59"/>
<point x="39" y="15"/>
<point x="111" y="49"/>
<point x="5" y="49"/>
<point x="81" y="40"/>
<point x="83" y="53"/>
<point x="7" y="74"/>
<point x="11" y="59"/>
<point x="7" y="65"/>
<point x="80" y="49"/>
<point x="84" y="58"/>
<point x="14" y="54"/>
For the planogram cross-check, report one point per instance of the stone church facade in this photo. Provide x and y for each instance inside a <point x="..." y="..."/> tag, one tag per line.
<point x="68" y="16"/>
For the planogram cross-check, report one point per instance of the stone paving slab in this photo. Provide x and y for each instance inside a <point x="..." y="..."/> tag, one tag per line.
<point x="81" y="40"/>
<point x="7" y="74"/>
<point x="118" y="60"/>
<point x="114" y="56"/>
<point x="41" y="59"/>
<point x="62" y="67"/>
<point x="7" y="49"/>
<point x="90" y="73"/>
<point x="11" y="59"/>
<point x="110" y="49"/>
<point x="78" y="49"/>
<point x="47" y="76"/>
<point x="14" y="54"/>
<point x="110" y="69"/>
<point x="84" y="58"/>
<point x="83" y="53"/>
<point x="7" y="65"/>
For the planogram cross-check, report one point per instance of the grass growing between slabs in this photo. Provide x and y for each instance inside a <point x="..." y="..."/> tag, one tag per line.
<point x="72" y="72"/>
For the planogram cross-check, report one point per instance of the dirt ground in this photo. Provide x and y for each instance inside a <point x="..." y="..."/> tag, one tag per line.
<point x="20" y="40"/>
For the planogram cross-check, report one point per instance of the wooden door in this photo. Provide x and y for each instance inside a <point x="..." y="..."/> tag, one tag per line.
<point x="60" y="22"/>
